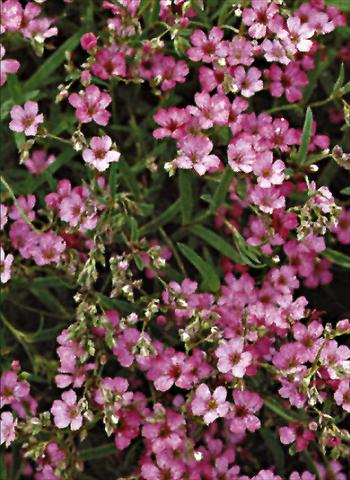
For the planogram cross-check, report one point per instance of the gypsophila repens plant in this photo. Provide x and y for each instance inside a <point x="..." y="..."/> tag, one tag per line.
<point x="175" y="231"/>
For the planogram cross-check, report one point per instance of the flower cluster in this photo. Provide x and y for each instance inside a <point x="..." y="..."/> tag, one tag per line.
<point x="173" y="232"/>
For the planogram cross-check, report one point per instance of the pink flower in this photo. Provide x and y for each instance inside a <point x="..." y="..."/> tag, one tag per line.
<point x="108" y="63"/>
<point x="195" y="153"/>
<point x="12" y="390"/>
<point x="248" y="82"/>
<point x="299" y="34"/>
<point x="342" y="229"/>
<point x="26" y="119"/>
<point x="206" y="48"/>
<point x="88" y="41"/>
<point x="126" y="343"/>
<point x="166" y="431"/>
<point x="8" y="428"/>
<point x="210" y="110"/>
<point x="304" y="476"/>
<point x="265" y="475"/>
<point x="66" y="412"/>
<point x="242" y="416"/>
<point x="11" y="16"/>
<point x="100" y="154"/>
<point x="39" y="161"/>
<point x="342" y="395"/>
<point x="6" y="66"/>
<point x="275" y="51"/>
<point x="291" y="80"/>
<point x="210" y="405"/>
<point x="3" y="216"/>
<point x="295" y="432"/>
<point x="259" y="17"/>
<point x="267" y="199"/>
<point x="268" y="172"/>
<point x="91" y="105"/>
<point x="172" y="122"/>
<point x="232" y="358"/>
<point x="168" y="71"/>
<point x="240" y="52"/>
<point x="241" y="156"/>
<point x="5" y="266"/>
<point x="49" y="248"/>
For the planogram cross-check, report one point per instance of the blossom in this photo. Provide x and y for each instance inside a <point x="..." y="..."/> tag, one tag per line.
<point x="168" y="71"/>
<point x="91" y="105"/>
<point x="210" y="110"/>
<point x="6" y="66"/>
<point x="242" y="415"/>
<point x="39" y="161"/>
<point x="88" y="41"/>
<point x="248" y="82"/>
<point x="26" y="119"/>
<point x="295" y="432"/>
<point x="342" y="395"/>
<point x="12" y="390"/>
<point x="232" y="357"/>
<point x="172" y="122"/>
<point x="290" y="81"/>
<point x="342" y="228"/>
<point x="49" y="248"/>
<point x="8" y="428"/>
<point x="268" y="172"/>
<point x="100" y="154"/>
<point x="259" y="17"/>
<point x="6" y="262"/>
<point x="109" y="62"/>
<point x="195" y="153"/>
<point x="3" y="215"/>
<point x="209" y="405"/>
<point x="66" y="412"/>
<point x="207" y="48"/>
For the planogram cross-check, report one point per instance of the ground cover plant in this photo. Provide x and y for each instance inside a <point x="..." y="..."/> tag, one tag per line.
<point x="175" y="231"/>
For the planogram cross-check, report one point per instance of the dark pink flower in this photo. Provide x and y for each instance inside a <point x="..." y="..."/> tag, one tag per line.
<point x="91" y="105"/>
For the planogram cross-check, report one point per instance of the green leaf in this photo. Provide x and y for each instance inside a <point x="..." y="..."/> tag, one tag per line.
<point x="111" y="303"/>
<point x="222" y="189"/>
<point x="273" y="443"/>
<point x="305" y="138"/>
<point x="134" y="235"/>
<point x="113" y="180"/>
<point x="101" y="451"/>
<point x="128" y="177"/>
<point x="345" y="89"/>
<point x="47" y="68"/>
<point x="337" y="258"/>
<point x="185" y="187"/>
<point x="164" y="218"/>
<point x="218" y="243"/>
<point x="209" y="275"/>
<point x="341" y="4"/>
<point x="345" y="191"/>
<point x="340" y="80"/>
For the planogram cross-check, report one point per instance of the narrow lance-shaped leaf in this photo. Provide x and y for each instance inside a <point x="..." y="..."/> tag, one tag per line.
<point x="185" y="186"/>
<point x="209" y="275"/>
<point x="337" y="258"/>
<point x="305" y="138"/>
<point x="222" y="189"/>
<point x="217" y="243"/>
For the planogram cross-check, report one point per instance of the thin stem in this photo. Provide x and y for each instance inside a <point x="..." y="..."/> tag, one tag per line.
<point x="173" y="249"/>
<point x="55" y="137"/>
<point x="19" y="208"/>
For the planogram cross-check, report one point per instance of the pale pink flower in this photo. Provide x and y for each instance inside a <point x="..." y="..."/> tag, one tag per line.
<point x="206" y="48"/>
<point x="240" y="52"/>
<point x="268" y="172"/>
<point x="232" y="358"/>
<point x="295" y="432"/>
<point x="275" y="51"/>
<point x="5" y="266"/>
<point x="26" y="119"/>
<point x="259" y="17"/>
<point x="267" y="199"/>
<point x="172" y="122"/>
<point x="210" y="110"/>
<point x="195" y="153"/>
<point x="100" y="154"/>
<point x="11" y="16"/>
<point x="49" y="248"/>
<point x="299" y="34"/>
<point x="304" y="476"/>
<point x="66" y="412"/>
<point x="242" y="417"/>
<point x="3" y="215"/>
<point x="91" y="105"/>
<point x="6" y="66"/>
<point x="241" y="156"/>
<point x="8" y="428"/>
<point x="210" y="405"/>
<point x="39" y="161"/>
<point x="342" y="395"/>
<point x="248" y="82"/>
